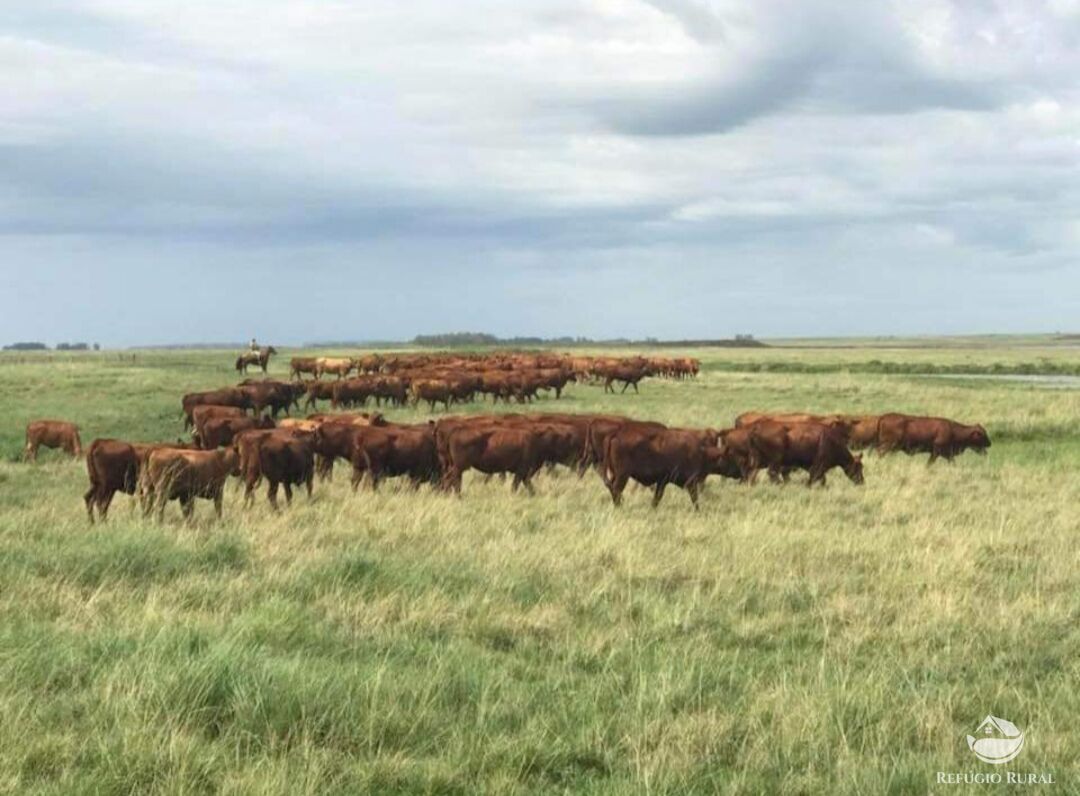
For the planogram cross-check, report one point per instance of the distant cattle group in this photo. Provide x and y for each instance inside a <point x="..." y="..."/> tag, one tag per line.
<point x="236" y="433"/>
<point x="445" y="380"/>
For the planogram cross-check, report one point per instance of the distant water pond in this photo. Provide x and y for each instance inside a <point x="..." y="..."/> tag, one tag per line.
<point x="1059" y="382"/>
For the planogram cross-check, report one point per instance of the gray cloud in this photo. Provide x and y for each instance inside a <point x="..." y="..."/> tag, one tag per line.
<point x="671" y="167"/>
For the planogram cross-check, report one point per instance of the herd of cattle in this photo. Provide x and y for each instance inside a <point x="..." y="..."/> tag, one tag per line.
<point x="450" y="379"/>
<point x="228" y="441"/>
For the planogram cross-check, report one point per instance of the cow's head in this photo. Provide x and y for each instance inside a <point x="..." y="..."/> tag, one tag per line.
<point x="854" y="470"/>
<point x="978" y="439"/>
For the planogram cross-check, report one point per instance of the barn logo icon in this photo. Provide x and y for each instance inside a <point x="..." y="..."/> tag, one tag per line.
<point x="996" y="740"/>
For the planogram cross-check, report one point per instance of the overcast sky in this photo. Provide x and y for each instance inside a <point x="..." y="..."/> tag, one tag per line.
<point x="194" y="170"/>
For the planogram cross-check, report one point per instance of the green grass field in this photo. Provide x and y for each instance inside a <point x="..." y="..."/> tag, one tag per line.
<point x="780" y="640"/>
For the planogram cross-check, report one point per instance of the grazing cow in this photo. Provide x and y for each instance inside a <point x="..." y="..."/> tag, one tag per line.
<point x="736" y="449"/>
<point x="390" y="451"/>
<point x="555" y="379"/>
<point x="814" y="447"/>
<point x="492" y="450"/>
<point x="937" y="436"/>
<point x="351" y="392"/>
<point x="339" y="365"/>
<point x="657" y="457"/>
<point x="301" y="365"/>
<point x="113" y="466"/>
<point x="219" y="431"/>
<point x="260" y="358"/>
<point x="183" y="475"/>
<point x="52" y="434"/>
<point x="286" y="460"/>
<point x="228" y="396"/>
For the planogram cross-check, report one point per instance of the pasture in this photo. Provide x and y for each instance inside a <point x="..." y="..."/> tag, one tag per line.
<point x="779" y="640"/>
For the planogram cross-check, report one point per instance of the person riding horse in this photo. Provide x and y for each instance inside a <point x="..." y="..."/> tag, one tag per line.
<point x="255" y="356"/>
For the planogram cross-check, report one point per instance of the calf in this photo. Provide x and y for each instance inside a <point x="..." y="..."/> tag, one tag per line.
<point x="52" y="434"/>
<point x="229" y="396"/>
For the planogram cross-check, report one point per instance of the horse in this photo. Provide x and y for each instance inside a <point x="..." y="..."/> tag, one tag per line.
<point x="260" y="358"/>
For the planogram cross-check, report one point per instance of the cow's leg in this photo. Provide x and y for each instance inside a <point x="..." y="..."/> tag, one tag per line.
<point x="933" y="456"/>
<point x="31" y="451"/>
<point x="635" y="387"/>
<point x="455" y="475"/>
<point x="187" y="507"/>
<point x="104" y="500"/>
<point x="309" y="482"/>
<point x="288" y="493"/>
<point x="89" y="498"/>
<point x="219" y="496"/>
<point x="271" y="494"/>
<point x="249" y="491"/>
<point x="616" y="486"/>
<point x="692" y="489"/>
<point x="658" y="493"/>
<point x="624" y="386"/>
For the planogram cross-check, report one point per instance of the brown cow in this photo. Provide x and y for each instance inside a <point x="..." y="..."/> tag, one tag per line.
<point x="657" y="457"/>
<point x="200" y="414"/>
<point x="814" y="447"/>
<point x="275" y="395"/>
<point x="286" y="460"/>
<point x="339" y="365"/>
<point x="433" y="391"/>
<point x="301" y="365"/>
<point x="937" y="436"/>
<point x="219" y="431"/>
<point x="52" y="434"/>
<point x="863" y="430"/>
<point x="113" y="466"/>
<point x="736" y="448"/>
<point x="492" y="450"/>
<point x="182" y="475"/>
<point x="628" y="374"/>
<point x="228" y="396"/>
<point x="390" y="451"/>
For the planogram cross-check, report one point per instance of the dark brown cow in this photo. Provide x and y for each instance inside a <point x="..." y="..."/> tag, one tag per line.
<point x="52" y="434"/>
<point x="113" y="466"/>
<point x="736" y="449"/>
<point x="626" y="373"/>
<point x="657" y="457"/>
<point x="318" y="391"/>
<point x="937" y="436"/>
<point x="814" y="447"/>
<point x="229" y="396"/>
<point x="492" y="450"/>
<point x="183" y="475"/>
<point x="391" y="451"/>
<point x="219" y="431"/>
<point x="275" y="395"/>
<point x="286" y="460"/>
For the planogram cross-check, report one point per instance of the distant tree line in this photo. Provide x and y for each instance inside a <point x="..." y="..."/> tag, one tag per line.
<point x="59" y="347"/>
<point x="469" y="339"/>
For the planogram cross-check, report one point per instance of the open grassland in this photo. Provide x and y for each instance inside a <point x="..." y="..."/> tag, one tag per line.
<point x="780" y="640"/>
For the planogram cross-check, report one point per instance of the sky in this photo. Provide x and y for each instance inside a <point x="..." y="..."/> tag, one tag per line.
<point x="297" y="170"/>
